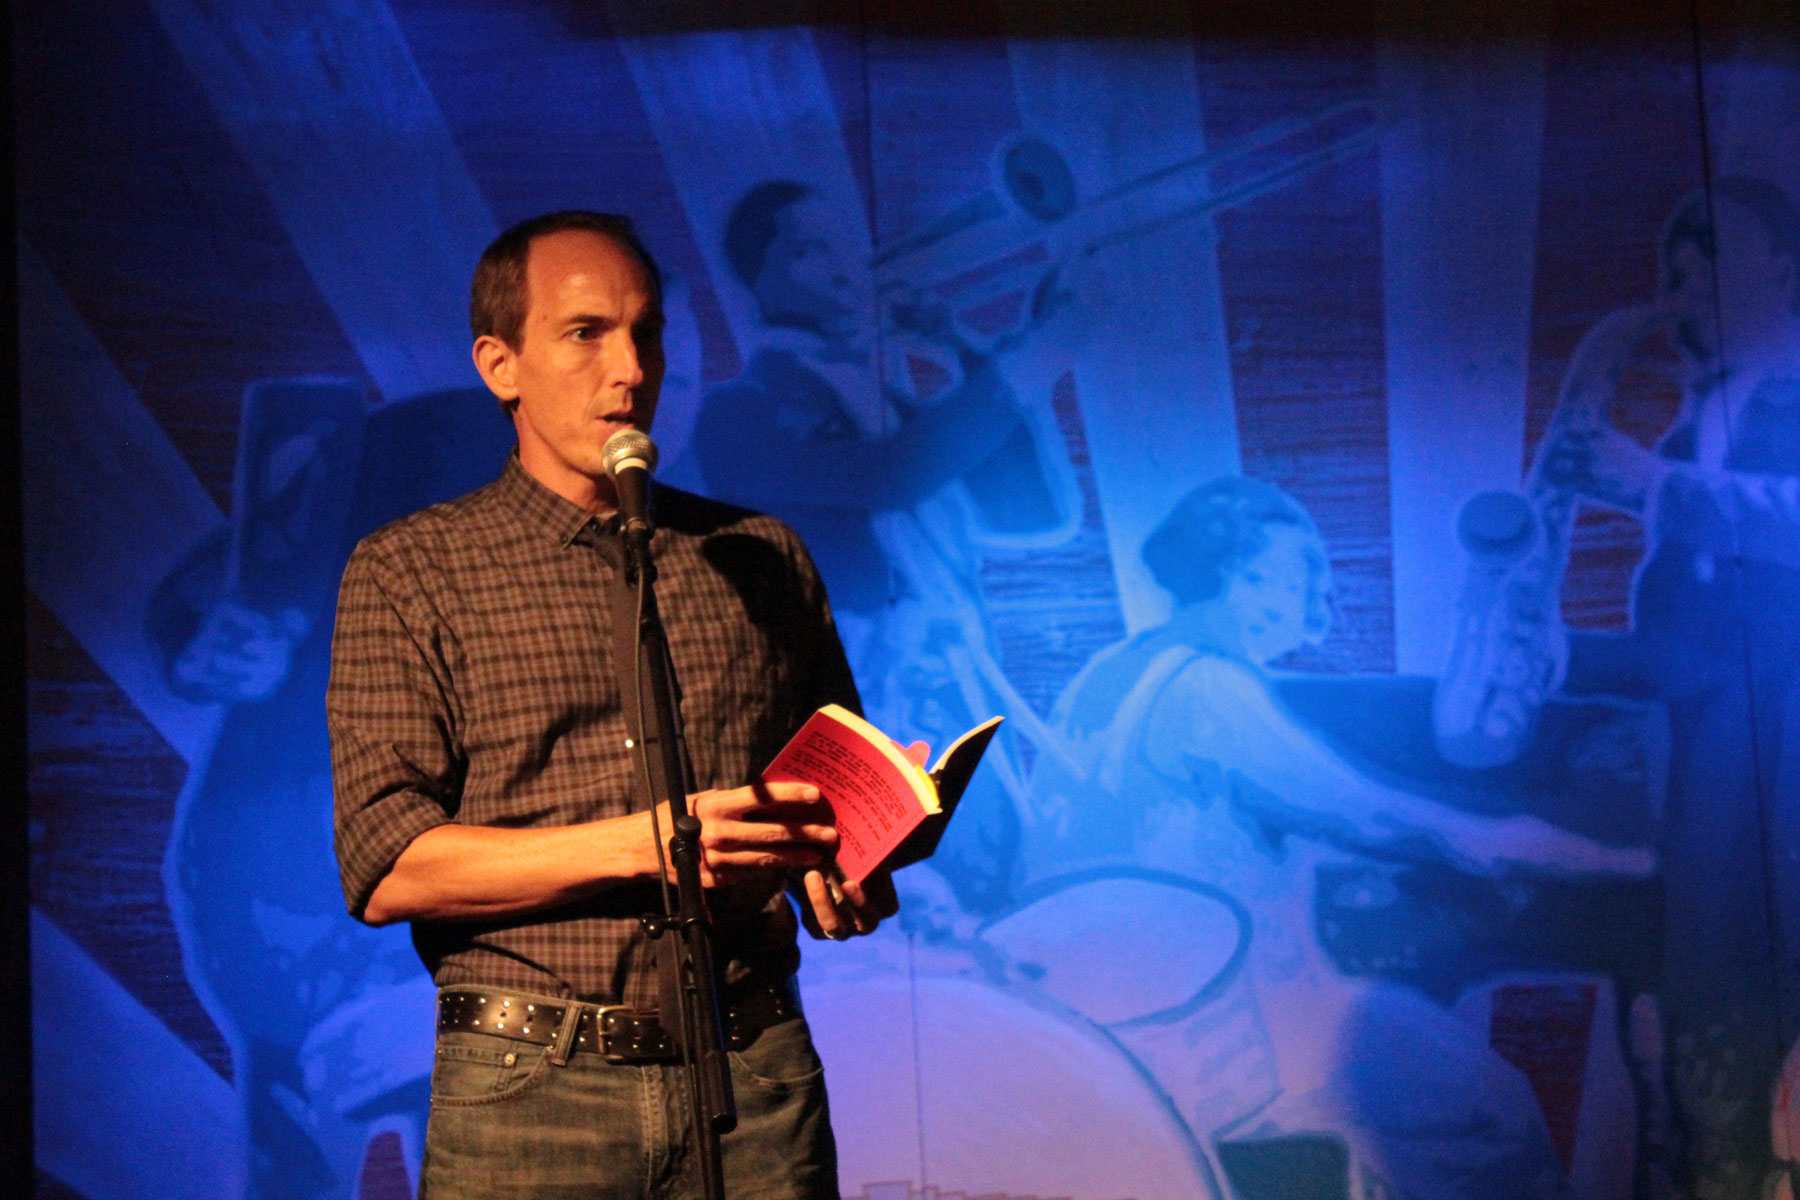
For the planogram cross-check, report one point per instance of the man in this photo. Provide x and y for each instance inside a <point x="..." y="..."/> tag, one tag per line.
<point x="1714" y="639"/>
<point x="848" y="446"/>
<point x="483" y="734"/>
<point x="244" y="622"/>
<point x="894" y="493"/>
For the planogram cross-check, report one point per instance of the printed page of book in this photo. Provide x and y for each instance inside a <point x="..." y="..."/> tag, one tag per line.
<point x="876" y="795"/>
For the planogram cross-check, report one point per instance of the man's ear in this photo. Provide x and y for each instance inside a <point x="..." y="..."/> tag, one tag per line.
<point x="498" y="366"/>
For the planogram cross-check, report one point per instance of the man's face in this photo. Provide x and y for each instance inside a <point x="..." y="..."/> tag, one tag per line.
<point x="589" y="361"/>
<point x="810" y="278"/>
<point x="1755" y="299"/>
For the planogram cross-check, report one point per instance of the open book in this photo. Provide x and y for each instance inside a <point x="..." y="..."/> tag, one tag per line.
<point x="890" y="810"/>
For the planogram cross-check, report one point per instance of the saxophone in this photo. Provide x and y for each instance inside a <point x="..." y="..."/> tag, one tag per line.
<point x="1509" y="650"/>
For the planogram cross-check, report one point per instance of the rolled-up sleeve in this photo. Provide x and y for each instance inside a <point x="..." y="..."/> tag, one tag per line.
<point x="827" y="678"/>
<point x="396" y="762"/>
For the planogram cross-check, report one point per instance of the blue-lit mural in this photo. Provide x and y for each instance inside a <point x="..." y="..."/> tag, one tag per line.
<point x="1363" y="467"/>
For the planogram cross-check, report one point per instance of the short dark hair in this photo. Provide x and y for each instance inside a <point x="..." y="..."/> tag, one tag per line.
<point x="498" y="299"/>
<point x="1691" y="223"/>
<point x="750" y="229"/>
<point x="1216" y="528"/>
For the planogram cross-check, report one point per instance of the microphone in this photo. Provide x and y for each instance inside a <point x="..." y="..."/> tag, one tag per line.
<point x="630" y="457"/>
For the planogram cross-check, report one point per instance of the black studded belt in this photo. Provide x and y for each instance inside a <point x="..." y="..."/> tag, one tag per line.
<point x="617" y="1033"/>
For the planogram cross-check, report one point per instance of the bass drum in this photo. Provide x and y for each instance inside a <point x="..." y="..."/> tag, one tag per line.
<point x="1090" y="1030"/>
<point x="1157" y="961"/>
<point x="960" y="1086"/>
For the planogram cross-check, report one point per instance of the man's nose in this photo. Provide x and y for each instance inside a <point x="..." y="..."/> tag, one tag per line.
<point x="630" y="362"/>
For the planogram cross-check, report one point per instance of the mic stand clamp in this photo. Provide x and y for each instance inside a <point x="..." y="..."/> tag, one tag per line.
<point x="683" y="937"/>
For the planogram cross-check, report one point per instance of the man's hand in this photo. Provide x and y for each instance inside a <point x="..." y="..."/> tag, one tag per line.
<point x="787" y="827"/>
<point x="239" y="654"/>
<point x="1520" y="844"/>
<point x="1583" y="453"/>
<point x="758" y="830"/>
<point x="838" y="908"/>
<point x="1606" y="466"/>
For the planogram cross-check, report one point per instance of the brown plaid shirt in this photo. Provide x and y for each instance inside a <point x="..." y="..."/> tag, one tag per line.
<point x="475" y="677"/>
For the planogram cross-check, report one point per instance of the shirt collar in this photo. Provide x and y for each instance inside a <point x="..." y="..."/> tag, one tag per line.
<point x="543" y="510"/>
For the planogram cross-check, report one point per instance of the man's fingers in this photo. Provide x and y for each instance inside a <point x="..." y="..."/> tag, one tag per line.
<point x="741" y="862"/>
<point x="773" y="802"/>
<point x="780" y="826"/>
<point x="837" y="908"/>
<point x="765" y="818"/>
<point x="867" y="902"/>
<point x="830" y="919"/>
<point x="723" y="867"/>
<point x="761" y="837"/>
<point x="786" y="791"/>
<point x="762" y="794"/>
<point x="876" y="896"/>
<point x="737" y="848"/>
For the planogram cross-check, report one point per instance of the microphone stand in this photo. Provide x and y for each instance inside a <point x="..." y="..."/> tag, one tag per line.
<point x="683" y="934"/>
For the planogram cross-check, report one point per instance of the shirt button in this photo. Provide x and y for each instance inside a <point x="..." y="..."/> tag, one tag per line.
<point x="510" y="1059"/>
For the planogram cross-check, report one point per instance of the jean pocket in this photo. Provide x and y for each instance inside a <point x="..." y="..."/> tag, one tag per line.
<point x="781" y="1058"/>
<point x="477" y="1068"/>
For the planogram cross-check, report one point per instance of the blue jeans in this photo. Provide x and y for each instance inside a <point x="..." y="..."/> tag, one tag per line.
<point x="508" y="1123"/>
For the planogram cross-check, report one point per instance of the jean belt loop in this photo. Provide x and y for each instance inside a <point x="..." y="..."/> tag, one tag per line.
<point x="565" y="1036"/>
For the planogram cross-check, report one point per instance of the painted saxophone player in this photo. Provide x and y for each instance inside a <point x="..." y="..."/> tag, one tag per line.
<point x="1719" y="499"/>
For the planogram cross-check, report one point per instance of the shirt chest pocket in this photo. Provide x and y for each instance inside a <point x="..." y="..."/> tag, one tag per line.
<point x="541" y="693"/>
<point x="736" y="686"/>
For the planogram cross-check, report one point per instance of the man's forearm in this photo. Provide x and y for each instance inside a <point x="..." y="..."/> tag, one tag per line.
<point x="471" y="872"/>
